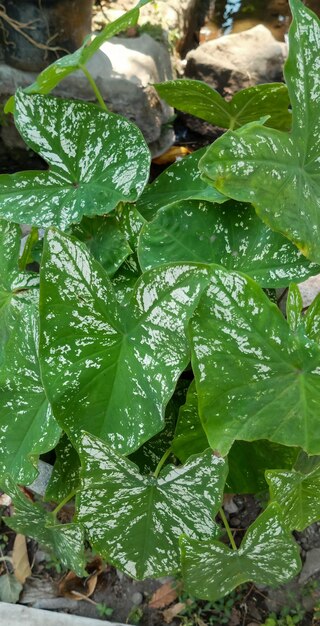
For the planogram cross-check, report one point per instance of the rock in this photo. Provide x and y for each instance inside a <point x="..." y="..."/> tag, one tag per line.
<point x="309" y="289"/>
<point x="311" y="565"/>
<point x="40" y="484"/>
<point x="124" y="70"/>
<point x="238" y="61"/>
<point x="137" y="598"/>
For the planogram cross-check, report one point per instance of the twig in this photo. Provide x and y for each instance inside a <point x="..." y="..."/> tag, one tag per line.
<point x="20" y="27"/>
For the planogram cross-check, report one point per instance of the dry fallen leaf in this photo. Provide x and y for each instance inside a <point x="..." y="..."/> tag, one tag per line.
<point x="76" y="588"/>
<point x="171" y="155"/>
<point x="20" y="559"/>
<point x="170" y="614"/>
<point x="163" y="596"/>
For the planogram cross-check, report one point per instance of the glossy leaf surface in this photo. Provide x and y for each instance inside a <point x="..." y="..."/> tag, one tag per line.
<point x="100" y="361"/>
<point x="276" y="171"/>
<point x="297" y="494"/>
<point x="16" y="288"/>
<point x="51" y="76"/>
<point x="148" y="513"/>
<point x="105" y="240"/>
<point x="96" y="160"/>
<point x="255" y="378"/>
<point x="30" y="519"/>
<point x="27" y="425"/>
<point x="199" y="99"/>
<point x="180" y="181"/>
<point x="294" y="306"/>
<point x="267" y="556"/>
<point x="247" y="461"/>
<point x="231" y="235"/>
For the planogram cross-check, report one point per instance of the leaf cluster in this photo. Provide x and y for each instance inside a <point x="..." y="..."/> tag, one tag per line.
<point x="146" y="352"/>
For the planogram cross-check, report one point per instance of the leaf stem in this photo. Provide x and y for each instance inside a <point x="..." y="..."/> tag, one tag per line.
<point x="63" y="502"/>
<point x="94" y="87"/>
<point x="31" y="240"/>
<point x="162" y="462"/>
<point x="228" y="529"/>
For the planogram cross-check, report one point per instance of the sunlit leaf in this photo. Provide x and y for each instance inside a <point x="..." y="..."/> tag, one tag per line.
<point x="96" y="159"/>
<point x="199" y="99"/>
<point x="100" y="360"/>
<point x="231" y="235"/>
<point x="255" y="378"/>
<point x="279" y="172"/>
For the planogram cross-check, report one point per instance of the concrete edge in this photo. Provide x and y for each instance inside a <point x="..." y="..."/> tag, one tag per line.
<point x="16" y="614"/>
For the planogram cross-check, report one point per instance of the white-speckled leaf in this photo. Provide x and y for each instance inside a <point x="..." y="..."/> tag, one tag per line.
<point x="294" y="306"/>
<point x="298" y="495"/>
<point x="279" y="172"/>
<point x="96" y="159"/>
<point x="51" y="76"/>
<point x="111" y="369"/>
<point x="312" y="320"/>
<point x="135" y="521"/>
<point x="267" y="556"/>
<point x="231" y="235"/>
<point x="105" y="240"/>
<point x="248" y="105"/>
<point x="66" y="541"/>
<point x="16" y="288"/>
<point x="255" y="378"/>
<point x="27" y="425"/>
<point x="65" y="474"/>
<point x="180" y="181"/>
<point x="125" y="279"/>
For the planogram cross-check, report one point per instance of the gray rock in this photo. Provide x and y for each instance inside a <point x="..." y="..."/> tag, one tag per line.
<point x="238" y="61"/>
<point x="311" y="565"/>
<point x="137" y="598"/>
<point x="124" y="70"/>
<point x="40" y="484"/>
<point x="309" y="289"/>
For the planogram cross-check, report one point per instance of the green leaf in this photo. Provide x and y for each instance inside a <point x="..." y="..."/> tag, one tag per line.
<point x="100" y="360"/>
<point x="297" y="494"/>
<point x="294" y="306"/>
<point x="148" y="513"/>
<point x="105" y="240"/>
<point x="65" y="474"/>
<point x="10" y="589"/>
<point x="151" y="452"/>
<point x="180" y="181"/>
<point x="312" y="320"/>
<point x="30" y="519"/>
<point x="267" y="556"/>
<point x="125" y="279"/>
<point x="189" y="436"/>
<point x="279" y="172"/>
<point x="16" y="288"/>
<point x="96" y="159"/>
<point x="247" y="461"/>
<point x="255" y="378"/>
<point x="231" y="235"/>
<point x="27" y="425"/>
<point x="130" y="222"/>
<point x="248" y="105"/>
<point x="51" y="76"/>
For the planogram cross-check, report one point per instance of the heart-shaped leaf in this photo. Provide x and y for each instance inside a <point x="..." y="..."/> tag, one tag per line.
<point x="248" y="105"/>
<point x="267" y="555"/>
<point x="255" y="378"/>
<point x="180" y="181"/>
<point x="30" y="519"/>
<point x="105" y="240"/>
<point x="65" y="474"/>
<point x="294" y="306"/>
<point x="148" y="513"/>
<point x="100" y="361"/>
<point x="51" y="76"/>
<point x="279" y="172"/>
<point x="96" y="159"/>
<point x="231" y="235"/>
<point x="27" y="425"/>
<point x="10" y="588"/>
<point x="16" y="288"/>
<point x="297" y="494"/>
